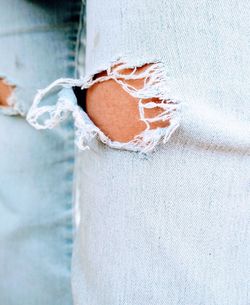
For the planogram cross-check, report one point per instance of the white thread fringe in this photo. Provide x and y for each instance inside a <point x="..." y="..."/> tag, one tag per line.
<point x="156" y="85"/>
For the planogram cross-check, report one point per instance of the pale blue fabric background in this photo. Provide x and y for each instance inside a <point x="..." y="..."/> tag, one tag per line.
<point x="171" y="228"/>
<point x="37" y="44"/>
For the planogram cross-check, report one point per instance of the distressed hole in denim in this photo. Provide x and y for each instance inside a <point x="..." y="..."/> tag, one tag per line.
<point x="8" y="100"/>
<point x="116" y="112"/>
<point x="81" y="97"/>
<point x="155" y="112"/>
<point x="6" y="91"/>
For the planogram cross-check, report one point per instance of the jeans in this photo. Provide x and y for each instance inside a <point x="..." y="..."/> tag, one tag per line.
<point x="162" y="219"/>
<point x="37" y="42"/>
<point x="172" y="226"/>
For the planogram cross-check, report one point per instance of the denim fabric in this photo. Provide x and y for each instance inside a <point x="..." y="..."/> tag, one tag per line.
<point x="37" y="44"/>
<point x="171" y="227"/>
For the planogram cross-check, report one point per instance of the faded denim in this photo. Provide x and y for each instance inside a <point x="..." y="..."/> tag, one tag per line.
<point x="37" y="43"/>
<point x="172" y="226"/>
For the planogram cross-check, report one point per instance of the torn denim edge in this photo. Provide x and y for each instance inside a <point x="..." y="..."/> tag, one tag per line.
<point x="156" y="85"/>
<point x="14" y="104"/>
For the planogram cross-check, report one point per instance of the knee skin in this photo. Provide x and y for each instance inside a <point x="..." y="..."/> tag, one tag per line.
<point x="116" y="112"/>
<point x="5" y="92"/>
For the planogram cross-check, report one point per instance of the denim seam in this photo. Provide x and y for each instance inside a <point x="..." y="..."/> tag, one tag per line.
<point x="71" y="58"/>
<point x="80" y="45"/>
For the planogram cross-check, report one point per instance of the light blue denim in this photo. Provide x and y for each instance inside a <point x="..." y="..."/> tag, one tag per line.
<point x="169" y="227"/>
<point x="38" y="41"/>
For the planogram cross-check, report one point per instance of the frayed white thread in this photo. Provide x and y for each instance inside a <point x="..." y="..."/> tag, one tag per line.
<point x="155" y="86"/>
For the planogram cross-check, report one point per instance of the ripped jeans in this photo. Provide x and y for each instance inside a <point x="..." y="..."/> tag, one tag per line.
<point x="37" y="43"/>
<point x="162" y="218"/>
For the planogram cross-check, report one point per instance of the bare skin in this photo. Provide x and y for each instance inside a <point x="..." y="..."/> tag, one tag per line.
<point x="5" y="92"/>
<point x="111" y="108"/>
<point x="116" y="112"/>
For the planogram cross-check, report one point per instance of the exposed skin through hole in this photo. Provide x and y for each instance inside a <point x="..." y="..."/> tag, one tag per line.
<point x="116" y="112"/>
<point x="5" y="92"/>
